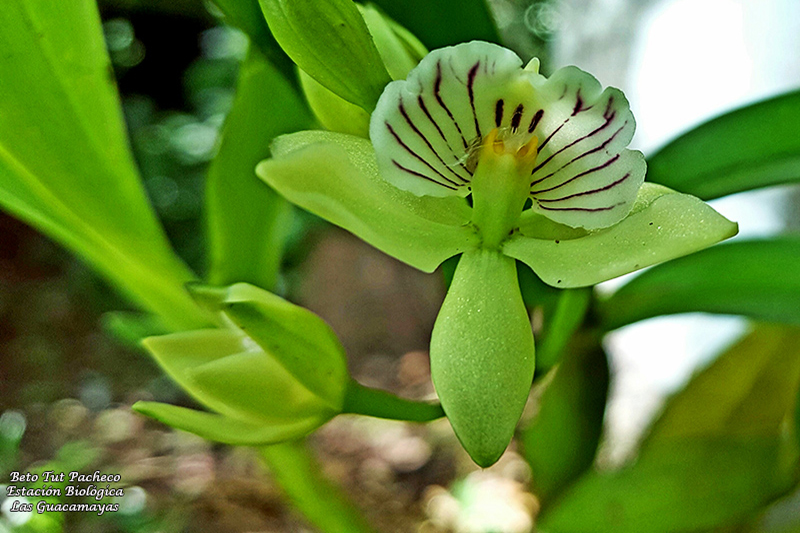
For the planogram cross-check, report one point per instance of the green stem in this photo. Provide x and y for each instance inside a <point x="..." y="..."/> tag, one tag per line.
<point x="381" y="404"/>
<point x="566" y="319"/>
<point x="294" y="468"/>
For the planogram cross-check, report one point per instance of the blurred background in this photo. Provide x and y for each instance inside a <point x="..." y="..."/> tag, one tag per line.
<point x="66" y="380"/>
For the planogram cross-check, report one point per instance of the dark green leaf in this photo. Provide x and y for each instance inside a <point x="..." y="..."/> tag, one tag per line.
<point x="440" y="23"/>
<point x="561" y="440"/>
<point x="247" y="221"/>
<point x="758" y="278"/>
<point x="752" y="147"/>
<point x="718" y="453"/>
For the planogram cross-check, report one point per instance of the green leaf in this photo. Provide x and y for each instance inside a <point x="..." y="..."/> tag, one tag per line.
<point x="323" y="503"/>
<point x="561" y="440"/>
<point x="335" y="176"/>
<point x="752" y="147"/>
<point x="300" y="341"/>
<point x="718" y="453"/>
<point x="247" y="16"/>
<point x="482" y="354"/>
<point x="662" y="225"/>
<point x="758" y="278"/>
<point x="444" y="22"/>
<point x="329" y="40"/>
<point x="223" y="429"/>
<point x="65" y="166"/>
<point x="247" y="221"/>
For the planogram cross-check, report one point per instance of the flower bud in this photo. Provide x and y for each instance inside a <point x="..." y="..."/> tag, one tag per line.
<point x="276" y="374"/>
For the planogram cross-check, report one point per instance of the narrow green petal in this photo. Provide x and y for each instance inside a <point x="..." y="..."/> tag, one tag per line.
<point x="662" y="225"/>
<point x="335" y="177"/>
<point x="223" y="429"/>
<point x="482" y="354"/>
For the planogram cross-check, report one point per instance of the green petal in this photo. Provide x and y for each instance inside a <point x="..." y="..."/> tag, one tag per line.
<point x="662" y="225"/>
<point x="335" y="177"/>
<point x="482" y="354"/>
<point x="223" y="429"/>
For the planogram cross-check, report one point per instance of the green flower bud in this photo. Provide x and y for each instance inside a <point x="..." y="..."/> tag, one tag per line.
<point x="276" y="374"/>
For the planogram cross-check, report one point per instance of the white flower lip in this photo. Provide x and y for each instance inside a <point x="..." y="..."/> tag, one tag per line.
<point x="425" y="128"/>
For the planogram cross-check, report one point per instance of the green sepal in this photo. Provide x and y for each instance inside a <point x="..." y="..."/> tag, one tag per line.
<point x="662" y="225"/>
<point x="224" y="429"/>
<point x="329" y="40"/>
<point x="301" y="342"/>
<point x="482" y="354"/>
<point x="335" y="176"/>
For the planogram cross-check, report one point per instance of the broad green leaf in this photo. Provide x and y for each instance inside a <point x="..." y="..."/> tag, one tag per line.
<point x="662" y="225"/>
<point x="482" y="354"/>
<point x="335" y="176"/>
<point x="224" y="429"/>
<point x="752" y="147"/>
<point x="561" y="440"/>
<point x="65" y="166"/>
<point x="757" y="278"/>
<point x="440" y="23"/>
<point x="719" y="452"/>
<point x="300" y="341"/>
<point x="329" y="40"/>
<point x="247" y="221"/>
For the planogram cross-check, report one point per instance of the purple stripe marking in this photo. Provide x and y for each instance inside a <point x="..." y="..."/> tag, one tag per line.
<point x="424" y="108"/>
<point x="473" y="72"/>
<point x="517" y="117"/>
<point x="498" y="112"/>
<point x="608" y="121"/>
<point x="578" y="103"/>
<point x="584" y="154"/>
<point x="586" y="209"/>
<point x="437" y="84"/>
<point x="576" y="176"/>
<point x="535" y="120"/>
<point x="587" y="193"/>
<point x="427" y="142"/>
<point x="417" y="156"/>
<point x="420" y="175"/>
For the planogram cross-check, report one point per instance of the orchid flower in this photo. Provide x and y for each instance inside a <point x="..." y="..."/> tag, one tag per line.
<point x="473" y="154"/>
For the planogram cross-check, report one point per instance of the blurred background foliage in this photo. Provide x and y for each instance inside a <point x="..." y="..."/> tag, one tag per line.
<point x="723" y="455"/>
